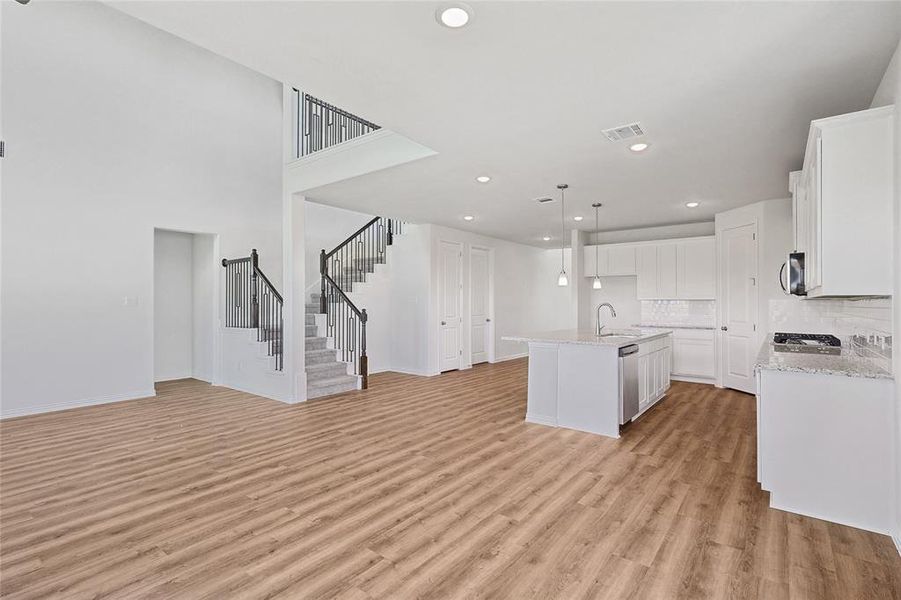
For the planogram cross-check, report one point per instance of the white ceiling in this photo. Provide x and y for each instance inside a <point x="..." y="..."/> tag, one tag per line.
<point x="725" y="92"/>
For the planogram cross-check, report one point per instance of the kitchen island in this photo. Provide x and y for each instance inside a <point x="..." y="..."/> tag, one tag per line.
<point x="577" y="379"/>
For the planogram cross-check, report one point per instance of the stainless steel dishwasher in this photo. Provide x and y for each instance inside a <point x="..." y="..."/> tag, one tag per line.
<point x="628" y="383"/>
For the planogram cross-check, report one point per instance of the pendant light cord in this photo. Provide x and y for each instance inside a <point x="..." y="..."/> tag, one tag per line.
<point x="597" y="268"/>
<point x="562" y="229"/>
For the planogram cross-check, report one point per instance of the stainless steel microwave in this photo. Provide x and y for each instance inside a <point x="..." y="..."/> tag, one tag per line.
<point x="792" y="275"/>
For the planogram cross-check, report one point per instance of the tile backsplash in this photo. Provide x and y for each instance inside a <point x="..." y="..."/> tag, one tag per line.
<point x="841" y="318"/>
<point x="699" y="313"/>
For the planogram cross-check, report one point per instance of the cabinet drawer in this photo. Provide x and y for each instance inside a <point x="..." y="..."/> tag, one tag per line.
<point x="693" y="334"/>
<point x="693" y="358"/>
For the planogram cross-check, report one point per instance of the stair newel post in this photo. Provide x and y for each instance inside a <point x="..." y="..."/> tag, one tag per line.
<point x="323" y="271"/>
<point x="364" y="360"/>
<point x="254" y="298"/>
<point x="390" y="239"/>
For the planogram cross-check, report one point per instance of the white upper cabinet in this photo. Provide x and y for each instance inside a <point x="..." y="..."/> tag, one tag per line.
<point x="647" y="271"/>
<point x="843" y="205"/>
<point x="666" y="271"/>
<point x="621" y="260"/>
<point x="696" y="269"/>
<point x="612" y="259"/>
<point x="682" y="269"/>
<point x="602" y="258"/>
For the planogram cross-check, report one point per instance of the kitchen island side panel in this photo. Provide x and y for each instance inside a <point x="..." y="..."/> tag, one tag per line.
<point x="542" y="401"/>
<point x="588" y="388"/>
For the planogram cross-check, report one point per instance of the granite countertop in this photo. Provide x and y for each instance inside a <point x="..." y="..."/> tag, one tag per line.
<point x="588" y="337"/>
<point x="848" y="363"/>
<point x="654" y="326"/>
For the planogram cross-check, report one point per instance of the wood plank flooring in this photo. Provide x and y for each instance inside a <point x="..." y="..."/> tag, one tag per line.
<point x="416" y="488"/>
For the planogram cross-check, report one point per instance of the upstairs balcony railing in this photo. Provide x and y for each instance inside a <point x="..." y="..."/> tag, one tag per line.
<point x="320" y="125"/>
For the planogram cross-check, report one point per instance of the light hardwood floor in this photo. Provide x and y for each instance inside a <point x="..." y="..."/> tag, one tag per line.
<point x="419" y="487"/>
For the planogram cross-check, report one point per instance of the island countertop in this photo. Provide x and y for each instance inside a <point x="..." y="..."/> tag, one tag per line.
<point x="589" y="338"/>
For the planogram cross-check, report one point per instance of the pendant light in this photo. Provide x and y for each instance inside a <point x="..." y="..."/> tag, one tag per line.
<point x="562" y="280"/>
<point x="596" y="284"/>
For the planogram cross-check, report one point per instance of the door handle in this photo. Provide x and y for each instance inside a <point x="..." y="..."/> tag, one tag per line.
<point x="444" y="322"/>
<point x="487" y="320"/>
<point x="724" y="328"/>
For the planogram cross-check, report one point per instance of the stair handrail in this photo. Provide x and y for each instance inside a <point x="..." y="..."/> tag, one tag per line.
<point x="342" y="327"/>
<point x="357" y="254"/>
<point x="265" y="309"/>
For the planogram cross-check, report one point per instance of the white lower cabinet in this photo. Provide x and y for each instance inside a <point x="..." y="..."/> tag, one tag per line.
<point x="654" y="359"/>
<point x="824" y="446"/>
<point x="693" y="353"/>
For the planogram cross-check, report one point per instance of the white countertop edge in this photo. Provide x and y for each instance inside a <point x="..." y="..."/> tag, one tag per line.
<point x="588" y="338"/>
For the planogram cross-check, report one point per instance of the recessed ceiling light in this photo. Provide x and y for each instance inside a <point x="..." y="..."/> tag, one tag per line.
<point x="546" y="238"/>
<point x="468" y="218"/>
<point x="639" y="147"/>
<point x="454" y="16"/>
<point x="577" y="218"/>
<point x="483" y="179"/>
<point x="692" y="204"/>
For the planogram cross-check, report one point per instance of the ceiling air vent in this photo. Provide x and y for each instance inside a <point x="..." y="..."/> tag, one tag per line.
<point x="544" y="200"/>
<point x="624" y="132"/>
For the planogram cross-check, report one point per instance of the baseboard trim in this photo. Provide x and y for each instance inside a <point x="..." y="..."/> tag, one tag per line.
<point x="689" y="379"/>
<point x="510" y="357"/>
<point x="778" y="506"/>
<point x="406" y="372"/>
<point x="268" y="396"/>
<point x="541" y="420"/>
<point x="897" y="541"/>
<point x="70" y="404"/>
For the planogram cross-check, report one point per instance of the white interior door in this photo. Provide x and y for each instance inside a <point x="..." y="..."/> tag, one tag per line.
<point x="738" y="298"/>
<point x="451" y="323"/>
<point x="480" y="305"/>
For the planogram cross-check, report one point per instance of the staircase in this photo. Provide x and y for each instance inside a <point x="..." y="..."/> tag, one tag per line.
<point x="342" y="348"/>
<point x="326" y="375"/>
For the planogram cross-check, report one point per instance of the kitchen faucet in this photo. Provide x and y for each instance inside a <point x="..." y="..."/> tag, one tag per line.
<point x="598" y="315"/>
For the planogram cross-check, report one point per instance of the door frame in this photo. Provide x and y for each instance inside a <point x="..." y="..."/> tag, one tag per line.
<point x="490" y="350"/>
<point x="463" y="321"/>
<point x="217" y="302"/>
<point x="726" y="222"/>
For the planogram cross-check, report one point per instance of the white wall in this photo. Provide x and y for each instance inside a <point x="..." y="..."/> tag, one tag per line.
<point x="526" y="298"/>
<point x="644" y="234"/>
<point x="888" y="90"/>
<point x="173" y="305"/>
<point x="896" y="309"/>
<point x="325" y="227"/>
<point x="113" y="128"/>
<point x="204" y="323"/>
<point x="622" y="293"/>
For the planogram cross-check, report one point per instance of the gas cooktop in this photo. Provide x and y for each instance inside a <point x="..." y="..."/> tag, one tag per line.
<point x="811" y="343"/>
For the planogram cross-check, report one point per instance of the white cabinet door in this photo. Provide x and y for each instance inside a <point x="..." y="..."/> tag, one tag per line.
<point x="696" y="269"/>
<point x="647" y="272"/>
<point x="644" y="381"/>
<point x="666" y="271"/>
<point x="592" y="252"/>
<point x="693" y="358"/>
<point x="621" y="260"/>
<point x="667" y="367"/>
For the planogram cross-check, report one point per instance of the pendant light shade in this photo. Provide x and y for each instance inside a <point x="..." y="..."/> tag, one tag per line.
<point x="596" y="284"/>
<point x="562" y="279"/>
